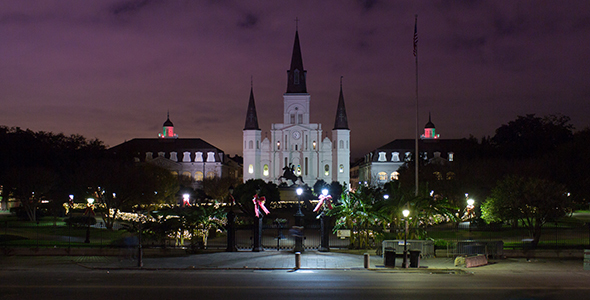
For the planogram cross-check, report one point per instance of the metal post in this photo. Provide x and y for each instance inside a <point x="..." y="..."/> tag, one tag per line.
<point x="299" y="223"/>
<point x="297" y="260"/>
<point x="258" y="235"/>
<point x="70" y="231"/>
<point x="231" y="231"/>
<point x="325" y="237"/>
<point x="367" y="260"/>
<point x="405" y="258"/>
<point x="139" y="248"/>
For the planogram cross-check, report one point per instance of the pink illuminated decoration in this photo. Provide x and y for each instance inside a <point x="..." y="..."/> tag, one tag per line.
<point x="259" y="204"/>
<point x="429" y="131"/>
<point x="186" y="200"/>
<point x="168" y="130"/>
<point x="324" y="199"/>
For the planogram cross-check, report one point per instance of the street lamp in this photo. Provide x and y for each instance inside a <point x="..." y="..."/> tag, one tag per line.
<point x="89" y="212"/>
<point x="299" y="223"/>
<point x="186" y="200"/>
<point x="406" y="213"/>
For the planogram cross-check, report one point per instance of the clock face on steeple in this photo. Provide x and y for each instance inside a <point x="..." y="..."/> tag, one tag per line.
<point x="296" y="135"/>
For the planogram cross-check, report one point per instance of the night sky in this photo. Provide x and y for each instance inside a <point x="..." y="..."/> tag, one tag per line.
<point x="111" y="69"/>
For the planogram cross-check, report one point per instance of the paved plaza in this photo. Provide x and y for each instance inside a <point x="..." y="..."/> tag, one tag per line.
<point x="283" y="260"/>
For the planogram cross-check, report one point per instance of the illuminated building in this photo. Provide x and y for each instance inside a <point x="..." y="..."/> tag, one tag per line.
<point x="192" y="158"/>
<point x="297" y="142"/>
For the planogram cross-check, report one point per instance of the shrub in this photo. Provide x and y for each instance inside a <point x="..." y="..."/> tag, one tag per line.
<point x="80" y="221"/>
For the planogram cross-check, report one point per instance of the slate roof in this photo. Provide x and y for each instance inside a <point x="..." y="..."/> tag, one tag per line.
<point x="155" y="145"/>
<point x="341" y="121"/>
<point x="251" y="117"/>
<point x="296" y="64"/>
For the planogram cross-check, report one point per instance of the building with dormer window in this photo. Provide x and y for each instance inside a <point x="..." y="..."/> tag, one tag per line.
<point x="382" y="164"/>
<point x="192" y="158"/>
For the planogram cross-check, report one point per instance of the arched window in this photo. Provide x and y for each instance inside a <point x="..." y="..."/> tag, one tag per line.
<point x="438" y="175"/>
<point x="382" y="176"/>
<point x="298" y="170"/>
<point x="341" y="168"/>
<point x="187" y="175"/>
<point x="210" y="175"/>
<point x="327" y="170"/>
<point x="250" y="169"/>
<point x="341" y="144"/>
<point x="265" y="170"/>
<point x="251" y="144"/>
<point x="199" y="176"/>
<point x="394" y="175"/>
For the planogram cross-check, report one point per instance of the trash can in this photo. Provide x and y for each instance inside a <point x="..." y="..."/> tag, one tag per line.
<point x="414" y="258"/>
<point x="389" y="257"/>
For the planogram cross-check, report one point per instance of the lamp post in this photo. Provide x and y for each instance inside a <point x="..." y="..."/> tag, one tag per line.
<point x="470" y="213"/>
<point x="325" y="237"/>
<point x="299" y="223"/>
<point x="70" y="207"/>
<point x="89" y="213"/>
<point x="406" y="213"/>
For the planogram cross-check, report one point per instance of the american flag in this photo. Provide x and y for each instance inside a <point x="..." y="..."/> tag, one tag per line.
<point x="416" y="36"/>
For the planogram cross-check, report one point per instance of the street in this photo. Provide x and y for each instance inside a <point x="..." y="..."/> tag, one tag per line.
<point x="280" y="284"/>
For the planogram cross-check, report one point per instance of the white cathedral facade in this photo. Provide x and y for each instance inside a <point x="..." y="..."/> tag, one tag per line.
<point x="296" y="143"/>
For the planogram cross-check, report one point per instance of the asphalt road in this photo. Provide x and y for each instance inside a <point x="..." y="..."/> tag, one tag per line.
<point x="280" y="284"/>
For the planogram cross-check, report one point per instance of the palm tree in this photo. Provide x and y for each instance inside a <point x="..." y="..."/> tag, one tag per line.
<point x="355" y="212"/>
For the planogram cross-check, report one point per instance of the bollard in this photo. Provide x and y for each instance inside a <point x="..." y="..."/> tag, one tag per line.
<point x="297" y="260"/>
<point x="367" y="260"/>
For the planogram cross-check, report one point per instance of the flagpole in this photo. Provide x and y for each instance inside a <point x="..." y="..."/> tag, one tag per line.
<point x="417" y="157"/>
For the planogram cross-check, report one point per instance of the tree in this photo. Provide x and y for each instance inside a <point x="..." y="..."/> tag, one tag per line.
<point x="41" y="162"/>
<point x="244" y="193"/>
<point x="194" y="222"/>
<point x="118" y="185"/>
<point x="217" y="188"/>
<point x="531" y="136"/>
<point x="531" y="200"/>
<point x="425" y="210"/>
<point x="30" y="185"/>
<point x="355" y="212"/>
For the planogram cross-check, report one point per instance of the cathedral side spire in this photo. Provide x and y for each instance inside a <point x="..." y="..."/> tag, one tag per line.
<point x="296" y="74"/>
<point x="341" y="121"/>
<point x="251" y="118"/>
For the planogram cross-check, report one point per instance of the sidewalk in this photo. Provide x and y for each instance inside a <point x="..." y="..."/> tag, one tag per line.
<point x="283" y="260"/>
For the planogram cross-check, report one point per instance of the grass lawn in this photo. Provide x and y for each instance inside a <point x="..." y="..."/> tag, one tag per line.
<point x="47" y="233"/>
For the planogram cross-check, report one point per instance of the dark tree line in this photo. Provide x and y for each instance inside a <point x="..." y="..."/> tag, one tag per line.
<point x="36" y="166"/>
<point x="531" y="164"/>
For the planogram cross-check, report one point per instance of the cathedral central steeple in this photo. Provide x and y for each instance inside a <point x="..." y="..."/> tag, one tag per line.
<point x="296" y="74"/>
<point x="341" y="121"/>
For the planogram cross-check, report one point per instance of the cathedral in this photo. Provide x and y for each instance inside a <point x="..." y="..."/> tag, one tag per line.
<point x="297" y="147"/>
